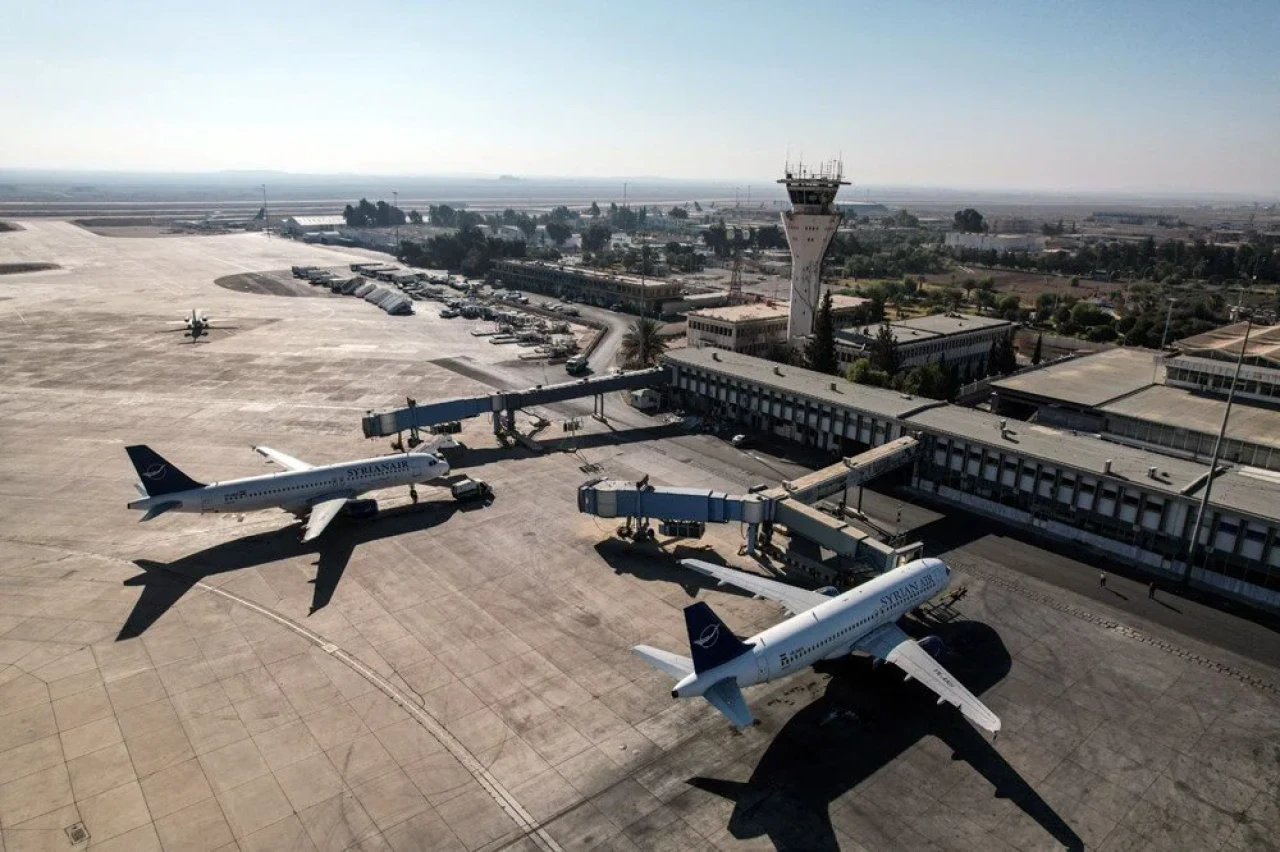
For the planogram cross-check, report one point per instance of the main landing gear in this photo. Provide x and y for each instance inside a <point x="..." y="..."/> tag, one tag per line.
<point x="413" y="494"/>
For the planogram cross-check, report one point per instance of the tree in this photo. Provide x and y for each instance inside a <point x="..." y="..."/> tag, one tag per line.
<point x="558" y="232"/>
<point x="678" y="213"/>
<point x="860" y="372"/>
<point x="697" y="208"/>
<point x="562" y="214"/>
<point x="1036" y="355"/>
<point x="596" y="237"/>
<point x="884" y="351"/>
<point x="415" y="217"/>
<point x="262" y="214"/>
<point x="1002" y="357"/>
<point x="968" y="221"/>
<point x="642" y="345"/>
<point x="594" y="212"/>
<point x="969" y="285"/>
<point x="820" y="348"/>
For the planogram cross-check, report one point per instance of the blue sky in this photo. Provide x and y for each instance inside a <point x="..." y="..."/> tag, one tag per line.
<point x="1129" y="95"/>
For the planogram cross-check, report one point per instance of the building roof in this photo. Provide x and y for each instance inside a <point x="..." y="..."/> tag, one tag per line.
<point x="820" y="386"/>
<point x="1264" y="343"/>
<point x="950" y="323"/>
<point x="317" y="221"/>
<point x="742" y="313"/>
<point x="1186" y="409"/>
<point x="1087" y="381"/>
<point x="923" y="328"/>
<point x="595" y="274"/>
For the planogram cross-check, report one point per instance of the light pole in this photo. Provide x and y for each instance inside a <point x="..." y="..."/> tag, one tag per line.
<point x="1213" y="462"/>
<point x="1167" y="317"/>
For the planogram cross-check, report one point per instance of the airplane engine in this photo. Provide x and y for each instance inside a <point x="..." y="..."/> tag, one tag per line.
<point x="934" y="646"/>
<point x="361" y="509"/>
<point x="829" y="591"/>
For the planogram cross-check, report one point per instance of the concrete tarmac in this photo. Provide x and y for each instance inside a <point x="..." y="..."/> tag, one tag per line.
<point x="449" y="677"/>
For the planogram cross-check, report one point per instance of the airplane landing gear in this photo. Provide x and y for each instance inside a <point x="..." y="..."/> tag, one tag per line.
<point x="413" y="494"/>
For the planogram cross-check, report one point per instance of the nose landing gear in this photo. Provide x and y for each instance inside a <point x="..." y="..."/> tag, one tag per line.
<point x="413" y="494"/>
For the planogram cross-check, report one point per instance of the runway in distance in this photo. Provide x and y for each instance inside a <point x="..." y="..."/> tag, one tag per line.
<point x="822" y="627"/>
<point x="317" y="493"/>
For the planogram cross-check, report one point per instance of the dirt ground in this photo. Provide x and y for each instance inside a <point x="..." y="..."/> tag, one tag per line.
<point x="1025" y="285"/>
<point x="276" y="283"/>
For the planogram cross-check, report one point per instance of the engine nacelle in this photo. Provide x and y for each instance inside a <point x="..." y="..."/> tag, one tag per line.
<point x="933" y="646"/>
<point x="361" y="509"/>
<point x="829" y="591"/>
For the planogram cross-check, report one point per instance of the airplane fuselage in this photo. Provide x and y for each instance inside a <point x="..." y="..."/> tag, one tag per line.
<point x="296" y="491"/>
<point x="828" y="631"/>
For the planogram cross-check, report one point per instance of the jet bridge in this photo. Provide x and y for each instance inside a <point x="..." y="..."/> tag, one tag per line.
<point x="503" y="405"/>
<point x="785" y="505"/>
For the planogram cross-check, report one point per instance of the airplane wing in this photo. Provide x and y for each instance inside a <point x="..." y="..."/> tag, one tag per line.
<point x="673" y="664"/>
<point x="281" y="459"/>
<point x="726" y="697"/>
<point x="794" y="600"/>
<point x="321" y="514"/>
<point x="889" y="643"/>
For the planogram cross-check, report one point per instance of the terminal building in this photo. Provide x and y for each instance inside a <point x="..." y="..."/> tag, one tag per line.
<point x="756" y="327"/>
<point x="961" y="340"/>
<point x="1143" y="398"/>
<point x="644" y="296"/>
<point x="1129" y="502"/>
<point x="299" y="225"/>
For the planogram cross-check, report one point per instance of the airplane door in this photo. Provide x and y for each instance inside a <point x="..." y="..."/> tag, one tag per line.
<point x="762" y="664"/>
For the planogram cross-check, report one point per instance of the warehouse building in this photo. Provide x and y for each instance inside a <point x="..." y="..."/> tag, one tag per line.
<point x="299" y="225"/>
<point x="755" y="328"/>
<point x="643" y="296"/>
<point x="962" y="340"/>
<point x="1129" y="502"/>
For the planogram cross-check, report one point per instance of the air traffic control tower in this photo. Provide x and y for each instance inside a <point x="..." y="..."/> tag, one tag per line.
<point x="810" y="224"/>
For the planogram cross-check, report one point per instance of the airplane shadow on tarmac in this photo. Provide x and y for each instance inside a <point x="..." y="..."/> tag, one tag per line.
<point x="647" y="561"/>
<point x="163" y="585"/>
<point x="866" y="718"/>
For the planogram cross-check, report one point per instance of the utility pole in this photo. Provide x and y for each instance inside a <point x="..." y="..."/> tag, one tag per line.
<point x="1213" y="462"/>
<point x="1168" y="316"/>
<point x="266" y="217"/>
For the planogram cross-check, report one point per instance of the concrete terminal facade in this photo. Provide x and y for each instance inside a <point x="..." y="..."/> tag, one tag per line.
<point x="1133" y="504"/>
<point x="962" y="340"/>
<point x="640" y="295"/>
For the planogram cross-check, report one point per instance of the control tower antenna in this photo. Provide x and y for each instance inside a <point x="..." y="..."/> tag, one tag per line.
<point x="810" y="225"/>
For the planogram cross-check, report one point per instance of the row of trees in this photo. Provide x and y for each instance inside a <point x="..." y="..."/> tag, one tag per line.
<point x="725" y="241"/>
<point x="467" y="251"/>
<point x="380" y="215"/>
<point x="1168" y="260"/>
<point x="887" y="254"/>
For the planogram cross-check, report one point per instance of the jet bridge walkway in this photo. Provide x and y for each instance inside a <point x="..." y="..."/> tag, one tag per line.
<point x="787" y="505"/>
<point x="503" y="405"/>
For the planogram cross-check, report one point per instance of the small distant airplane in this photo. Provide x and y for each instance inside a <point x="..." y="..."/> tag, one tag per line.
<point x="822" y="627"/>
<point x="198" y="325"/>
<point x="315" y="493"/>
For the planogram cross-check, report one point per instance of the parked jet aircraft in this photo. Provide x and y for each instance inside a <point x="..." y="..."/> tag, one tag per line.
<point x="822" y="627"/>
<point x="198" y="325"/>
<point x="316" y="493"/>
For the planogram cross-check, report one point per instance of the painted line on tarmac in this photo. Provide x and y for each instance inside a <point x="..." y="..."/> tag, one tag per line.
<point x="529" y="826"/>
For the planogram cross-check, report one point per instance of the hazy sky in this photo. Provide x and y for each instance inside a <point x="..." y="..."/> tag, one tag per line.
<point x="1116" y="95"/>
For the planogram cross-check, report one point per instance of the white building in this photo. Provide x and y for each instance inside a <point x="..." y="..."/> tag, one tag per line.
<point x="753" y="328"/>
<point x="298" y="225"/>
<point x="998" y="242"/>
<point x="810" y="224"/>
<point x="961" y="340"/>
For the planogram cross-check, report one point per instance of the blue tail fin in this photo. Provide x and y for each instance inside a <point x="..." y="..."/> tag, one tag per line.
<point x="711" y="643"/>
<point x="158" y="476"/>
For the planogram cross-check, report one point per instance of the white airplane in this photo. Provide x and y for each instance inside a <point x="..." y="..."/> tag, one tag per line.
<point x="316" y="493"/>
<point x="822" y="627"/>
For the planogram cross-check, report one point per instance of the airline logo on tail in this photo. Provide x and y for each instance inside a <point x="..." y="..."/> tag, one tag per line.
<point x="708" y="637"/>
<point x="155" y="471"/>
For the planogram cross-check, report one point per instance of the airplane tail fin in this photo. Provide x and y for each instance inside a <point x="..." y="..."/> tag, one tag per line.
<point x="711" y="642"/>
<point x="157" y="476"/>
